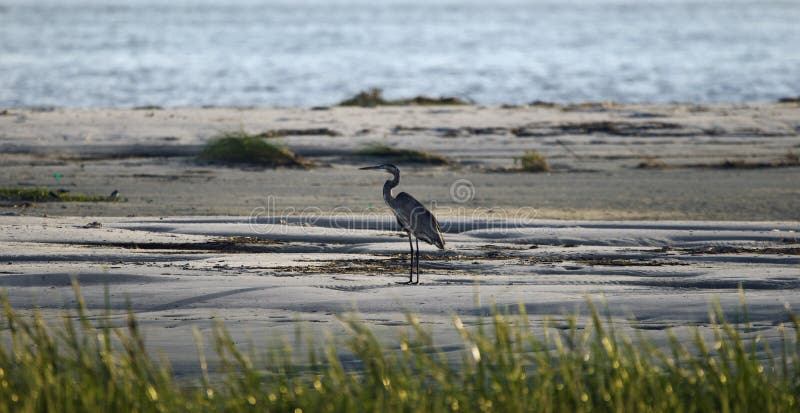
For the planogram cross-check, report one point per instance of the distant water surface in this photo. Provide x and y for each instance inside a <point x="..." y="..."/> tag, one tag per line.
<point x="84" y="53"/>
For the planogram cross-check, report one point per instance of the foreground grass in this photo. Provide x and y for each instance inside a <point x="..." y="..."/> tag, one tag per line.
<point x="241" y="148"/>
<point x="401" y="156"/>
<point x="47" y="195"/>
<point x="84" y="365"/>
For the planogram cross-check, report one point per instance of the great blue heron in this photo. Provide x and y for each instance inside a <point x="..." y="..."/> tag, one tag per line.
<point x="412" y="216"/>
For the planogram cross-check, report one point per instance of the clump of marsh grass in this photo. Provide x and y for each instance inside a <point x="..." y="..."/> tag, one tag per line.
<point x="401" y="156"/>
<point x="239" y="147"/>
<point x="374" y="97"/>
<point x="368" y="98"/>
<point x="87" y="364"/>
<point x="47" y="195"/>
<point x="532" y="161"/>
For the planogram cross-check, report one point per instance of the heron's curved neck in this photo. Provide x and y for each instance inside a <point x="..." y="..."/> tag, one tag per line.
<point x="387" y="188"/>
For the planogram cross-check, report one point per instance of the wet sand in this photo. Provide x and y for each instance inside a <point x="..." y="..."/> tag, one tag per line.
<point x="261" y="276"/>
<point x="194" y="243"/>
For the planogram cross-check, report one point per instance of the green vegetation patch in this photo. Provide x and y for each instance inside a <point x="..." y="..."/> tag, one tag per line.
<point x="374" y="97"/>
<point x="532" y="161"/>
<point x="400" y="156"/>
<point x="242" y="148"/>
<point x="89" y="362"/>
<point x="48" y="195"/>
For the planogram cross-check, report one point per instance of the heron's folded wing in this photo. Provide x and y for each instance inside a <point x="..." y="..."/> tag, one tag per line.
<point x="418" y="219"/>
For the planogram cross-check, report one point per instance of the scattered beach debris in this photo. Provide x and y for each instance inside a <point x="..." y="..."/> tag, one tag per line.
<point x="438" y="131"/>
<point x="279" y="133"/>
<point x="644" y="115"/>
<point x="729" y="249"/>
<point x="591" y="107"/>
<point x="606" y="127"/>
<point x="47" y="195"/>
<point x="229" y="245"/>
<point x="568" y="149"/>
<point x="787" y="161"/>
<point x="42" y="109"/>
<point x="489" y="130"/>
<point x="449" y="132"/>
<point x="743" y="164"/>
<point x="651" y="162"/>
<point x="790" y="159"/>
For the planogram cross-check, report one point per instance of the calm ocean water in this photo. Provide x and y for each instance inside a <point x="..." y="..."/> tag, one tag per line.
<point x="112" y="53"/>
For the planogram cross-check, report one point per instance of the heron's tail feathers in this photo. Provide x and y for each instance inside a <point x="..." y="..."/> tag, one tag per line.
<point x="439" y="241"/>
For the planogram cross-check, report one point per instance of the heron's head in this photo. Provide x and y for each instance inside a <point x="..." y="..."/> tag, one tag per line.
<point x="385" y="167"/>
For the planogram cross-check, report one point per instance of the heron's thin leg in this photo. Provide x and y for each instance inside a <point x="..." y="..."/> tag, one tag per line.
<point x="411" y="260"/>
<point x="417" y="260"/>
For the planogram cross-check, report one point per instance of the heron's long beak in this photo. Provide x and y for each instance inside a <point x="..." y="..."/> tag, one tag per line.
<point x="366" y="168"/>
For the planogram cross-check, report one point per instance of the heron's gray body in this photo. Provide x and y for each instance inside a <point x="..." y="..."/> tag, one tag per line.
<point x="411" y="215"/>
<point x="414" y="218"/>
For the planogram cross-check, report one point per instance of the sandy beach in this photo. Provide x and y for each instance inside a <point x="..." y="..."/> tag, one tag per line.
<point x="656" y="209"/>
<point x="700" y="162"/>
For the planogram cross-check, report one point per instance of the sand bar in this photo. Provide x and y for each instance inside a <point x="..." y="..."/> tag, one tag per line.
<point x="595" y="151"/>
